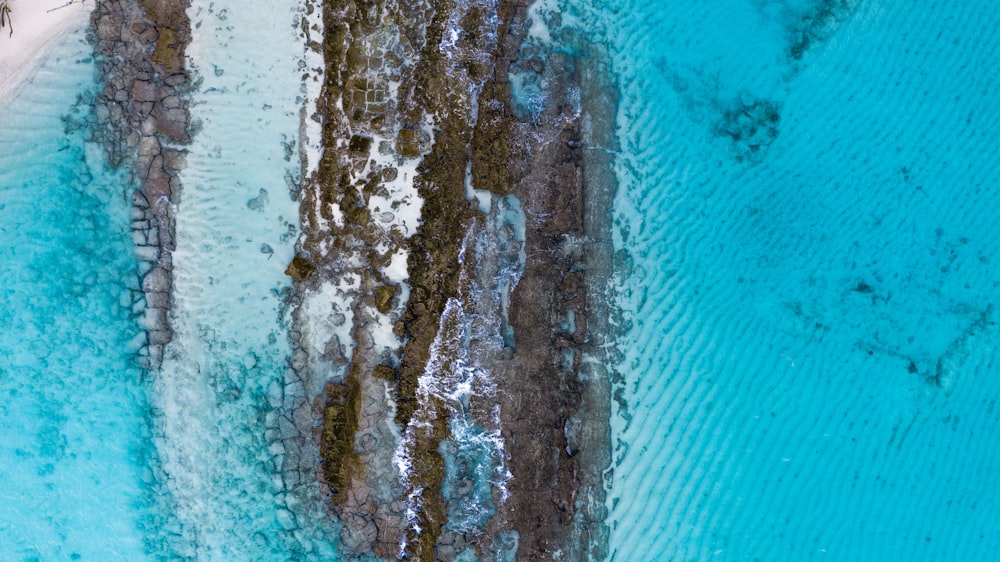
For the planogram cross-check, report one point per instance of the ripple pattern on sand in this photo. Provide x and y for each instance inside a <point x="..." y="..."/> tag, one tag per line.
<point x="810" y="368"/>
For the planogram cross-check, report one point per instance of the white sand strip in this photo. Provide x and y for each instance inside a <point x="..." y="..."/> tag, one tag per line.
<point x="37" y="24"/>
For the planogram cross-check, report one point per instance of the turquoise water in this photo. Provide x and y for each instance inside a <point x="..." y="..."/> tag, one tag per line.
<point x="74" y="455"/>
<point x="101" y="460"/>
<point x="223" y="396"/>
<point x="807" y="198"/>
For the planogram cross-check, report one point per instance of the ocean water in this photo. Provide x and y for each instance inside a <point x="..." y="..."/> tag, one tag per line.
<point x="75" y="452"/>
<point x="99" y="459"/>
<point x="808" y="278"/>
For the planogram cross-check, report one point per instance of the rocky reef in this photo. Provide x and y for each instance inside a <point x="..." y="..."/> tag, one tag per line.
<point x="142" y="122"/>
<point x="493" y="332"/>
<point x="449" y="382"/>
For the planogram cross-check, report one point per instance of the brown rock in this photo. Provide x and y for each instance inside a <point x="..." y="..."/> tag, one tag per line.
<point x="385" y="372"/>
<point x="383" y="298"/>
<point x="156" y="189"/>
<point x="300" y="268"/>
<point x="171" y="123"/>
<point x="143" y="91"/>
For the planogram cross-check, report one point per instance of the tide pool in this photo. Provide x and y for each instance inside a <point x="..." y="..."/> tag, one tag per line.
<point x="806" y="198"/>
<point x="74" y="441"/>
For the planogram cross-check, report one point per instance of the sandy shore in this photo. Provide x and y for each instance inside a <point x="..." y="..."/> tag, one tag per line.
<point x="37" y="24"/>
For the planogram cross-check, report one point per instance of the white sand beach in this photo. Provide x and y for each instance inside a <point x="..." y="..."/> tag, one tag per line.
<point x="37" y="24"/>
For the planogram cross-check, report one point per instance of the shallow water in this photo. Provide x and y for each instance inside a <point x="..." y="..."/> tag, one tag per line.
<point x="806" y="200"/>
<point x="74" y="442"/>
<point x="105" y="461"/>
<point x="807" y="281"/>
<point x="221" y="391"/>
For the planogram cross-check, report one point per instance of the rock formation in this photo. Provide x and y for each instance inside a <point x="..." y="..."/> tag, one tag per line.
<point x="142" y="121"/>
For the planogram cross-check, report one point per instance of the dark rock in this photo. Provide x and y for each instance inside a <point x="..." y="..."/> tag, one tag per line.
<point x="359" y="144"/>
<point x="864" y="288"/>
<point x="751" y="126"/>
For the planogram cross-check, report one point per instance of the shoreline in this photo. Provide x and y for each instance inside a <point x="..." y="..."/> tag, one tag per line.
<point x="37" y="24"/>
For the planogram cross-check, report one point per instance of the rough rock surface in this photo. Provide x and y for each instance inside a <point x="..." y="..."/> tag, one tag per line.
<point x="556" y="394"/>
<point x="142" y="122"/>
<point x="429" y="81"/>
<point x="417" y="88"/>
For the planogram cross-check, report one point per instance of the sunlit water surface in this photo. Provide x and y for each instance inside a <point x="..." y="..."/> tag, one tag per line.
<point x="807" y="196"/>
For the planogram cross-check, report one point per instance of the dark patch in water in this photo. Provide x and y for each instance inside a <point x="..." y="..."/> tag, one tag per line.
<point x="807" y="25"/>
<point x="751" y="126"/>
<point x="863" y="288"/>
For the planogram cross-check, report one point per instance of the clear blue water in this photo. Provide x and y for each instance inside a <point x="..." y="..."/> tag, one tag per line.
<point x="809" y="358"/>
<point x="74" y="440"/>
<point x="222" y="399"/>
<point x="811" y="367"/>
<point x="99" y="459"/>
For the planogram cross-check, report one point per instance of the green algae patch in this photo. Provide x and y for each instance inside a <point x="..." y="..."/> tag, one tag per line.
<point x="340" y="424"/>
<point x="166" y="48"/>
<point x="173" y="32"/>
<point x="300" y="268"/>
<point x="383" y="298"/>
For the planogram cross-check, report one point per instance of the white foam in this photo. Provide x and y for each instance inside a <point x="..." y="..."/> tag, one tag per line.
<point x="453" y="373"/>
